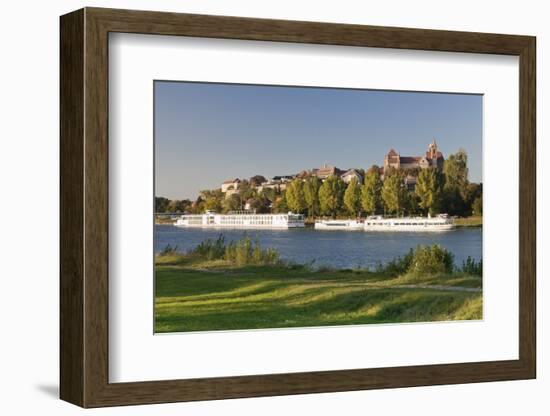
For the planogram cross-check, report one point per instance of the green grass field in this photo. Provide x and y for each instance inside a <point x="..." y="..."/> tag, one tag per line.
<point x="473" y="221"/>
<point x="199" y="295"/>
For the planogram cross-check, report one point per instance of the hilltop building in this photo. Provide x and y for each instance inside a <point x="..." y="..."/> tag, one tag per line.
<point x="432" y="158"/>
<point x="230" y="186"/>
<point x="276" y="184"/>
<point x="326" y="171"/>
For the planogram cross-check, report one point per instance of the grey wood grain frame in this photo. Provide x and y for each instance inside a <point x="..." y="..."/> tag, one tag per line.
<point x="84" y="216"/>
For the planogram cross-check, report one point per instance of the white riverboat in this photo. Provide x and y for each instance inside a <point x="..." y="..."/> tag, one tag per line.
<point x="241" y="219"/>
<point x="416" y="224"/>
<point x="350" y="225"/>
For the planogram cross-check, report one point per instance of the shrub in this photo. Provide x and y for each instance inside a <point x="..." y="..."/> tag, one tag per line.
<point x="210" y="249"/>
<point x="243" y="252"/>
<point x="397" y="266"/>
<point x="429" y="260"/>
<point x="270" y="256"/>
<point x="257" y="254"/>
<point x="168" y="250"/>
<point x="230" y="253"/>
<point x="471" y="267"/>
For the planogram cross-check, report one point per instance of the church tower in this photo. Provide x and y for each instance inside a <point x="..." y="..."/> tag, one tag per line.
<point x="432" y="150"/>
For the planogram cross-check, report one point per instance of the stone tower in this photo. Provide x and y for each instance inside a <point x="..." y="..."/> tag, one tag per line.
<point x="432" y="150"/>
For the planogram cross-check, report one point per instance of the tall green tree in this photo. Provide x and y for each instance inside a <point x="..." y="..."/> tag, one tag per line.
<point x="452" y="202"/>
<point x="213" y="204"/>
<point x="161" y="204"/>
<point x="197" y="206"/>
<point x="246" y="190"/>
<point x="371" y="191"/>
<point x="395" y="195"/>
<point x="455" y="169"/>
<point x="412" y="207"/>
<point x="177" y="205"/>
<point x="331" y="194"/>
<point x="280" y="205"/>
<point x="311" y="195"/>
<point x="268" y="193"/>
<point x="232" y="203"/>
<point x="429" y="190"/>
<point x="456" y="190"/>
<point x="260" y="205"/>
<point x="473" y="192"/>
<point x="211" y="193"/>
<point x="352" y="197"/>
<point x="295" y="196"/>
<point x="477" y="206"/>
<point x="257" y="180"/>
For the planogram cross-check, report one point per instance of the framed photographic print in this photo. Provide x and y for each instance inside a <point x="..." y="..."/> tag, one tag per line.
<point x="255" y="207"/>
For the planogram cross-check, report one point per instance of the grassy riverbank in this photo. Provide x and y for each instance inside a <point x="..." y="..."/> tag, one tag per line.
<point x="197" y="294"/>
<point x="473" y="221"/>
<point x="164" y="219"/>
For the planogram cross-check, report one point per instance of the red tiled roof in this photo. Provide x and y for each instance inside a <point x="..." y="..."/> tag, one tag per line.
<point x="409" y="159"/>
<point x="231" y="181"/>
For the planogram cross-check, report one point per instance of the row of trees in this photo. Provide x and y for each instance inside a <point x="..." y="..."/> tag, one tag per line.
<point x="435" y="192"/>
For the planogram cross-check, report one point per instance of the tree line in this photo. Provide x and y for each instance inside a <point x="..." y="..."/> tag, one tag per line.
<point x="446" y="191"/>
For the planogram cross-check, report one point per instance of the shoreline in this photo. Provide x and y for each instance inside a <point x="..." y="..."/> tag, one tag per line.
<point x="466" y="222"/>
<point x="469" y="222"/>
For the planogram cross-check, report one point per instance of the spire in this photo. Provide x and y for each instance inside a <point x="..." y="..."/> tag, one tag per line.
<point x="432" y="149"/>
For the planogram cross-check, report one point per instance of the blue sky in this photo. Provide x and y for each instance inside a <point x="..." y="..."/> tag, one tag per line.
<point x="206" y="133"/>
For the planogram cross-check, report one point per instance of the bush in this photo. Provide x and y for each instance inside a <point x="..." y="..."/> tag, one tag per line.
<point x="243" y="252"/>
<point x="168" y="250"/>
<point x="210" y="249"/>
<point x="471" y="267"/>
<point x="398" y="266"/>
<point x="430" y="260"/>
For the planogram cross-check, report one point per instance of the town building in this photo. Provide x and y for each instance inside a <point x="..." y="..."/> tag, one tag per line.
<point x="283" y="178"/>
<point x="350" y="174"/>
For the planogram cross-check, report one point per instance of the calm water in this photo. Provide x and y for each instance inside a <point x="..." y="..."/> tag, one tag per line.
<point x="340" y="249"/>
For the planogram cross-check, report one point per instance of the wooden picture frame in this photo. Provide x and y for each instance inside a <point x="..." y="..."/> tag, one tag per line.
<point x="84" y="207"/>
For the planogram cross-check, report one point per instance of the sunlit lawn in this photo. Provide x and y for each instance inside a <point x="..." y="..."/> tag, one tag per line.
<point x="213" y="296"/>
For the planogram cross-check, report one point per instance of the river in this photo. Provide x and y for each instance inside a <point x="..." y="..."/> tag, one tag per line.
<point x="339" y="249"/>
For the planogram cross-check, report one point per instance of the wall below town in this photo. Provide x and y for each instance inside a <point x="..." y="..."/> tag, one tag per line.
<point x="29" y="236"/>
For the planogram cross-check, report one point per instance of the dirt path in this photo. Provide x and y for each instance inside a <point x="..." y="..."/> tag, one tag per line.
<point x="442" y="287"/>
